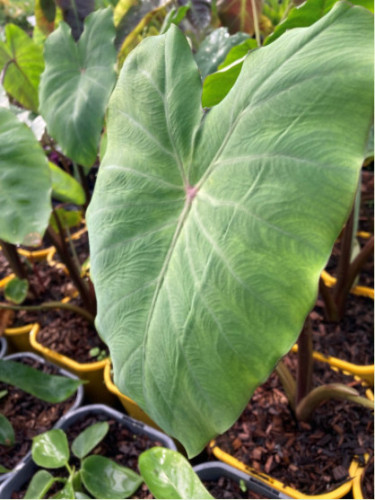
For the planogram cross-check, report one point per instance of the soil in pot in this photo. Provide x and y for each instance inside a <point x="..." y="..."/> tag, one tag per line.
<point x="49" y="284"/>
<point x="5" y="268"/>
<point x="72" y="335"/>
<point x="28" y="415"/>
<point x="368" y="479"/>
<point x="312" y="457"/>
<point x="120" y="445"/>
<point x="225" y="487"/>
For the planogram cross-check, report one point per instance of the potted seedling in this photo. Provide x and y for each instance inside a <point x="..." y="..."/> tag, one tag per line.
<point x="209" y="228"/>
<point x="44" y="386"/>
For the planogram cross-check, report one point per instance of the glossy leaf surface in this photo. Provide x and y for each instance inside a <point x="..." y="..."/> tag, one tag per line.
<point x="22" y="62"/>
<point x="103" y="478"/>
<point x="50" y="449"/>
<point x="169" y="475"/>
<point x="51" y="388"/>
<point x="89" y="438"/>
<point x="76" y="85"/>
<point x="64" y="187"/>
<point x="208" y="233"/>
<point x="6" y="431"/>
<point x="25" y="187"/>
<point x="16" y="290"/>
<point x="39" y="484"/>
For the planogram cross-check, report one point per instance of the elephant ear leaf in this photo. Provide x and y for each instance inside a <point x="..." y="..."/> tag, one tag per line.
<point x="208" y="232"/>
<point x="25" y="186"/>
<point x="76" y="85"/>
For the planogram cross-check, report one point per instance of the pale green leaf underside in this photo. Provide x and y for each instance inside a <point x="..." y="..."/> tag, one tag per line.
<point x="199" y="296"/>
<point x="25" y="186"/>
<point x="76" y="85"/>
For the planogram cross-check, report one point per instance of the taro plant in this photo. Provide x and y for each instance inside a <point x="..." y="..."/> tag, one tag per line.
<point x="49" y="388"/>
<point x="209" y="230"/>
<point x="166" y="472"/>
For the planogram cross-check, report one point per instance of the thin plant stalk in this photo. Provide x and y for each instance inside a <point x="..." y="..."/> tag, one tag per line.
<point x="12" y="256"/>
<point x="50" y="305"/>
<point x="305" y="361"/>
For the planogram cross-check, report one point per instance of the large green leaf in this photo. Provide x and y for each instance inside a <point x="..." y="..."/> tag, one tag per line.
<point x="76" y="85"/>
<point x="51" y="388"/>
<point x="169" y="475"/>
<point x="25" y="186"/>
<point x="22" y="62"/>
<point x="208" y="232"/>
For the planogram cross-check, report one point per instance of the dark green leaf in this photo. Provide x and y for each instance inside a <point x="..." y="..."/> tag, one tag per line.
<point x="16" y="290"/>
<point x="6" y="431"/>
<point x="215" y="48"/>
<point x="169" y="475"/>
<point x="66" y="492"/>
<point x="67" y="218"/>
<point x="76" y="85"/>
<point x="103" y="478"/>
<point x="39" y="484"/>
<point x="50" y="449"/>
<point x="89" y="438"/>
<point x="3" y="470"/>
<point x="51" y="388"/>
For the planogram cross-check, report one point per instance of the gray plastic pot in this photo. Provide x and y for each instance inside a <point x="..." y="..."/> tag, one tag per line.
<point x="25" y="473"/>
<point x="3" y="347"/>
<point x="77" y="402"/>
<point x="212" y="471"/>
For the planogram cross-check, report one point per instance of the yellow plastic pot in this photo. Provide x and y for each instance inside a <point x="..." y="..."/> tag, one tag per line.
<point x="51" y="254"/>
<point x="95" y="388"/>
<point x="362" y="291"/>
<point x="19" y="338"/>
<point x="35" y="254"/>
<point x="130" y="406"/>
<point x="357" y="481"/>
<point x="5" y="280"/>
<point x="339" y="492"/>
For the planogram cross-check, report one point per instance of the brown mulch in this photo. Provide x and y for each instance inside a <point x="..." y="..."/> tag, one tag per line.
<point x="5" y="268"/>
<point x="352" y="339"/>
<point x="312" y="457"/>
<point x="119" y="445"/>
<point x="28" y="415"/>
<point x="368" y="479"/>
<point x="69" y="334"/>
<point x="225" y="487"/>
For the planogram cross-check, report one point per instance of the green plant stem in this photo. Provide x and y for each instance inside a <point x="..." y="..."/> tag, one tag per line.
<point x="325" y="392"/>
<point x="256" y="22"/>
<point x="86" y="293"/>
<point x="51" y="305"/>
<point x="12" y="256"/>
<point x="85" y="186"/>
<point x="305" y="362"/>
<point x="288" y="382"/>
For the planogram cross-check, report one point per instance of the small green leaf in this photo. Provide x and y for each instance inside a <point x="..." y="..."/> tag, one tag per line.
<point x="3" y="393"/>
<point x="243" y="486"/>
<point x="175" y="16"/>
<point x="103" y="478"/>
<point x="51" y="388"/>
<point x="23" y="62"/>
<point x="6" y="431"/>
<point x="169" y="475"/>
<point x="3" y="470"/>
<point x="39" y="484"/>
<point x="89" y="438"/>
<point x="64" y="187"/>
<point x="16" y="290"/>
<point x="68" y="218"/>
<point x="66" y="492"/>
<point x="50" y="449"/>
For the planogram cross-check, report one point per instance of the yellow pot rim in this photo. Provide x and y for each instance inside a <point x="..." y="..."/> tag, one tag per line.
<point x="62" y="359"/>
<point x="18" y="330"/>
<point x="35" y="254"/>
<point x="362" y="291"/>
<point x="339" y="492"/>
<point x="110" y="385"/>
<point x="5" y="280"/>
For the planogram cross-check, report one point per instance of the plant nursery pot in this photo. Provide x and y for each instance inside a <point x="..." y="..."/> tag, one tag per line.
<point x="18" y="481"/>
<point x="130" y="406"/>
<point x="213" y="471"/>
<point x="257" y="439"/>
<point x="75" y="404"/>
<point x="358" y="487"/>
<point x="19" y="338"/>
<point x="52" y="261"/>
<point x="35" y="254"/>
<point x="95" y="388"/>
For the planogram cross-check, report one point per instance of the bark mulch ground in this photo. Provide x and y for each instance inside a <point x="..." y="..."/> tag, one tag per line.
<point x="28" y="415"/>
<point x="312" y="457"/>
